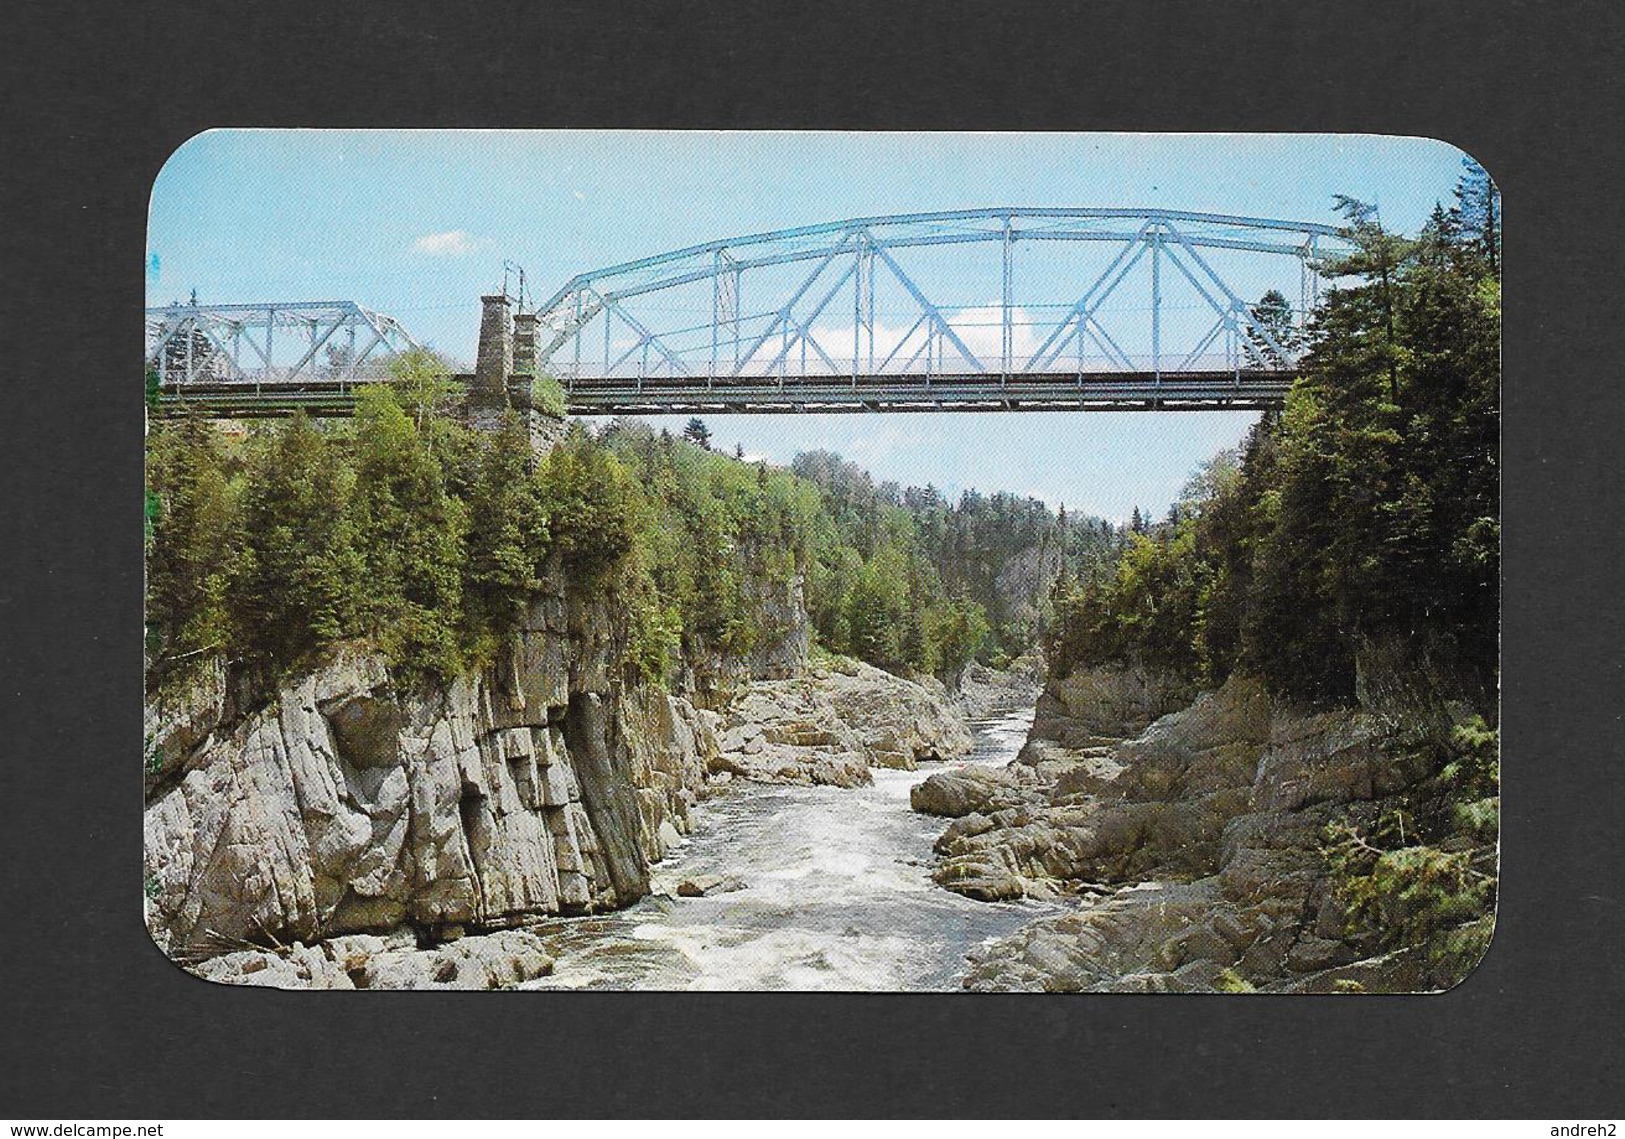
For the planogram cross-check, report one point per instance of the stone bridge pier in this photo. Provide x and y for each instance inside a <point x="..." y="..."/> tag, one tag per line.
<point x="505" y="369"/>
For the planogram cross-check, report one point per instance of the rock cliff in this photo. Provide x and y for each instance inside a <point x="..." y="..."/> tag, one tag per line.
<point x="834" y="722"/>
<point x="345" y="804"/>
<point x="983" y="692"/>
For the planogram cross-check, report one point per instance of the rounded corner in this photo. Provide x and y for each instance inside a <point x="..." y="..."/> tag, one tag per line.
<point x="1466" y="155"/>
<point x="175" y="152"/>
<point x="188" y="971"/>
<point x="164" y="953"/>
<point x="1472" y="970"/>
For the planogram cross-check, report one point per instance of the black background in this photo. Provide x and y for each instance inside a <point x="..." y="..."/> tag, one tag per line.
<point x="99" y="1024"/>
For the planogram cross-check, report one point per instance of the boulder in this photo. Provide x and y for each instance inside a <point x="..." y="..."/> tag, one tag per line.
<point x="979" y="790"/>
<point x="486" y="961"/>
<point x="1091" y="706"/>
<point x="701" y="885"/>
<point x="491" y="961"/>
<point x="833" y="724"/>
<point x="982" y="692"/>
<point x="1119" y="944"/>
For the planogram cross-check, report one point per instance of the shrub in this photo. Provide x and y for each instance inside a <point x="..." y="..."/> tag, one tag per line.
<point x="547" y="396"/>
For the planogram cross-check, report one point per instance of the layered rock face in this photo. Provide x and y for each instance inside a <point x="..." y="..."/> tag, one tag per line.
<point x="1094" y="706"/>
<point x="345" y="805"/>
<point x="1194" y="845"/>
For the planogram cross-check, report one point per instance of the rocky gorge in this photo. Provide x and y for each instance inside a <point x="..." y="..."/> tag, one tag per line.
<point x="351" y="832"/>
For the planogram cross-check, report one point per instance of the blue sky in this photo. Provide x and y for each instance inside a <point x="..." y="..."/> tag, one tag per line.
<point x="418" y="223"/>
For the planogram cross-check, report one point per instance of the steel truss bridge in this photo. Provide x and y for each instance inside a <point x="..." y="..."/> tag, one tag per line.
<point x="1000" y="308"/>
<point x="269" y="359"/>
<point x="1008" y="308"/>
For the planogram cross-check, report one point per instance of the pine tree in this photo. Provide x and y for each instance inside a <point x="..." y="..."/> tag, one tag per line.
<point x="410" y="533"/>
<point x="1060" y="542"/>
<point x="1378" y="254"/>
<point x="697" y="433"/>
<point x="1478" y="211"/>
<point x="195" y="543"/>
<point x="189" y="353"/>
<point x="507" y="536"/>
<point x="1272" y="314"/>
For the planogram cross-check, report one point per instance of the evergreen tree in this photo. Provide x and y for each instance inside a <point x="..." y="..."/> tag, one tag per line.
<point x="187" y="353"/>
<point x="507" y="538"/>
<point x="410" y="533"/>
<point x="196" y="540"/>
<point x="1060" y="544"/>
<point x="1366" y="510"/>
<point x="697" y="433"/>
<point x="1478" y="211"/>
<point x="302" y="569"/>
<point x="593" y="507"/>
<point x="1272" y="314"/>
<point x="1377" y="254"/>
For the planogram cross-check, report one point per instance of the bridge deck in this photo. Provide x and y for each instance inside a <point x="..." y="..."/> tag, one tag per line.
<point x="1043" y="392"/>
<point x="1122" y="391"/>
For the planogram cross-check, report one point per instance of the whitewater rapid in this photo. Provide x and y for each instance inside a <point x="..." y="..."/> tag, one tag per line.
<point x="836" y="895"/>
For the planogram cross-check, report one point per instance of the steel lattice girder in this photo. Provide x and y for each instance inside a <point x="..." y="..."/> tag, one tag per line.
<point x="841" y="255"/>
<point x="211" y="340"/>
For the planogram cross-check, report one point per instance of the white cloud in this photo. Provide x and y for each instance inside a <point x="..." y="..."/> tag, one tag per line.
<point x="980" y="328"/>
<point x="452" y="243"/>
<point x="836" y="339"/>
<point x="875" y="447"/>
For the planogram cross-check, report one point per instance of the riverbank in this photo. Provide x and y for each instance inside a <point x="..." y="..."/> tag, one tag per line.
<point x="1208" y="851"/>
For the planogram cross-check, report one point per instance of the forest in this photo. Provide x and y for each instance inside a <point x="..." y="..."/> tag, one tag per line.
<point x="1368" y="506"/>
<point x="405" y="527"/>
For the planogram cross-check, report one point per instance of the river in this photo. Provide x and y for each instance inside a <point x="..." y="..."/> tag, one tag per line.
<point x="837" y="895"/>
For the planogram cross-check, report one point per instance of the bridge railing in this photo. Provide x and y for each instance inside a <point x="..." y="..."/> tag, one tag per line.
<point x="222" y="373"/>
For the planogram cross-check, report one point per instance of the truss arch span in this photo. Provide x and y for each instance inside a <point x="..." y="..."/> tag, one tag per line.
<point x="982" y="298"/>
